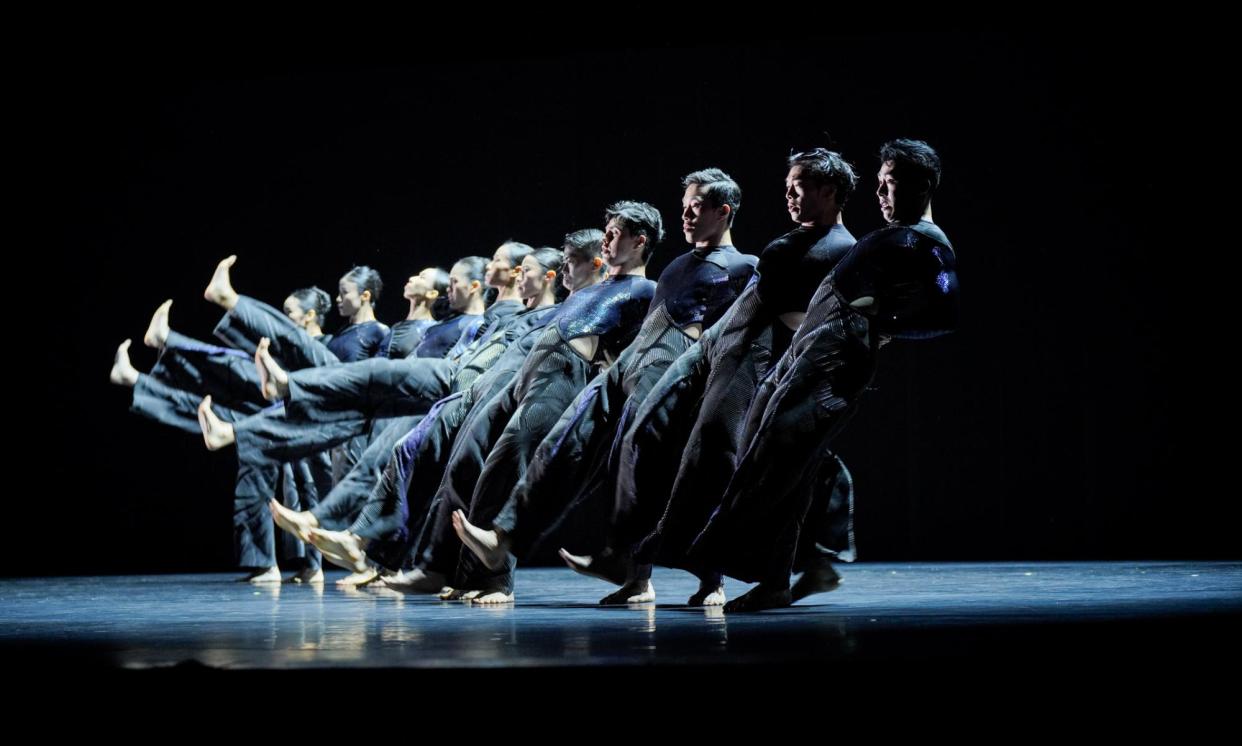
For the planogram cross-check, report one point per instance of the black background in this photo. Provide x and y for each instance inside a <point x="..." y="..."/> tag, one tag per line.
<point x="1046" y="428"/>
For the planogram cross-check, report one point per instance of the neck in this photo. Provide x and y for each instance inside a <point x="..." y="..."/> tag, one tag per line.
<point x="508" y="292"/>
<point x="363" y="315"/>
<point x="592" y="279"/>
<point x="830" y="217"/>
<point x="418" y="310"/>
<point x="475" y="306"/>
<point x="927" y="215"/>
<point x="546" y="298"/>
<point x="638" y="269"/>
<point x="313" y="329"/>
<point x="724" y="239"/>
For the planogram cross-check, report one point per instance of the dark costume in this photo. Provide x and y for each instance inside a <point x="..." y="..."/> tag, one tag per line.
<point x="404" y="336"/>
<point x="188" y="370"/>
<point x="389" y="415"/>
<point x="393" y="516"/>
<point x="697" y="408"/>
<point x="909" y="275"/>
<point x="571" y="463"/>
<point x="507" y="430"/>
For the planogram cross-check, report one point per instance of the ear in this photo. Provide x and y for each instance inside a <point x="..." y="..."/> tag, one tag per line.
<point x="431" y="295"/>
<point x="310" y="315"/>
<point x="365" y="296"/>
<point x="475" y="285"/>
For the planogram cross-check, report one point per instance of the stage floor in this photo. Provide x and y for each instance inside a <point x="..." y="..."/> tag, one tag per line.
<point x="1165" y="612"/>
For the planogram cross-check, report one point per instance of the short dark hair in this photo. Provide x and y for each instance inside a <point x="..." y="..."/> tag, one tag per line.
<point x="717" y="187"/>
<point x="913" y="160"/>
<point x="583" y="245"/>
<point x="824" y="167"/>
<point x="366" y="279"/>
<point x="640" y="219"/>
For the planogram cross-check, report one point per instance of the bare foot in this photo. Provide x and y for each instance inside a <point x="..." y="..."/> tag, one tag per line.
<point x="607" y="566"/>
<point x="157" y="330"/>
<point x="819" y="578"/>
<point x="264" y="576"/>
<point x="759" y="598"/>
<point x="217" y="433"/>
<point x="123" y="372"/>
<point x="359" y="579"/>
<point x="309" y="576"/>
<point x="489" y="546"/>
<point x="220" y="290"/>
<point x="492" y="598"/>
<point x="416" y="581"/>
<point x="342" y="562"/>
<point x="633" y="592"/>
<point x="448" y="593"/>
<point x="273" y="380"/>
<point x="343" y="547"/>
<point x="292" y="521"/>
<point x="708" y="594"/>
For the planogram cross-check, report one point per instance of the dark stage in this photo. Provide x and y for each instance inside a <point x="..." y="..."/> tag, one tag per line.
<point x="1044" y="428"/>
<point x="1149" y="613"/>
<point x="1047" y="440"/>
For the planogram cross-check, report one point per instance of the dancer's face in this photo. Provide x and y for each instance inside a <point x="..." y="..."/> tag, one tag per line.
<point x="903" y="206"/>
<point x="620" y="247"/>
<point x="806" y="202"/>
<point x="427" y="281"/>
<point x="416" y="288"/>
<point x="699" y="220"/>
<point x="887" y="192"/>
<point x="461" y="288"/>
<point x="577" y="273"/>
<point x="500" y="268"/>
<point x="293" y="309"/>
<point x="533" y="279"/>
<point x="348" y="299"/>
